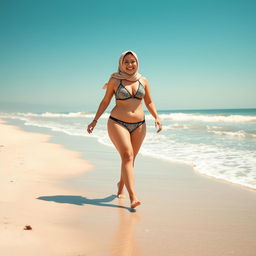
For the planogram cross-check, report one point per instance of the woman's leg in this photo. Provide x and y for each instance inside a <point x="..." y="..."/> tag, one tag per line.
<point x="120" y="137"/>
<point x="137" y="137"/>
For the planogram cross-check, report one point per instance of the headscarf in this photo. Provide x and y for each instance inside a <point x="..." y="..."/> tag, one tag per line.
<point x="121" y="73"/>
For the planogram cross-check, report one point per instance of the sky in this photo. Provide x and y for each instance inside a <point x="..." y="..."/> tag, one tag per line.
<point x="197" y="54"/>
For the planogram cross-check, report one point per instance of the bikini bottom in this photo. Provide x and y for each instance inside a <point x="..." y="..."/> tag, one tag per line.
<point x="129" y="126"/>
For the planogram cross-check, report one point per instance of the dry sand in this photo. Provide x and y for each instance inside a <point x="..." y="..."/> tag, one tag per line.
<point x="31" y="167"/>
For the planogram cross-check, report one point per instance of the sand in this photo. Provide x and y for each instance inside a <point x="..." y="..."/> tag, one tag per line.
<point x="71" y="206"/>
<point x="31" y="167"/>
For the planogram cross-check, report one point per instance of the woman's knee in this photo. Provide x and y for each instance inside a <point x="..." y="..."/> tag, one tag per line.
<point x="127" y="156"/>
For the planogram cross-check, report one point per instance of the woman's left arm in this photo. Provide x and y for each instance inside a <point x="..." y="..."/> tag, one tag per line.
<point x="150" y="105"/>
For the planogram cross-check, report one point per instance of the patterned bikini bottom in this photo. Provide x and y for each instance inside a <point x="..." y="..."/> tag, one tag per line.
<point x="129" y="126"/>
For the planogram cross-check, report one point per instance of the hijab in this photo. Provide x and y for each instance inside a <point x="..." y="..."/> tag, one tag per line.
<point x="121" y="73"/>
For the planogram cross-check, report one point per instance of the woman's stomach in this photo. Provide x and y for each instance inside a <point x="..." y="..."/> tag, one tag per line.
<point x="128" y="113"/>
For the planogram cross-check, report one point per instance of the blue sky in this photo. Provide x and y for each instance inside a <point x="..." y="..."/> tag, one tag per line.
<point x="195" y="53"/>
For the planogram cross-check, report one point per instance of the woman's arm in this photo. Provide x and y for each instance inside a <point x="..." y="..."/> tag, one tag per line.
<point x="150" y="105"/>
<point x="103" y="105"/>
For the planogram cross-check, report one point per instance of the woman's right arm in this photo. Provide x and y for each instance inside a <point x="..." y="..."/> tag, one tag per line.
<point x="104" y="104"/>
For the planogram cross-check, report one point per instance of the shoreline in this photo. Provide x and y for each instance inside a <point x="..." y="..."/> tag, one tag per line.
<point x="193" y="168"/>
<point x="44" y="130"/>
<point x="217" y="144"/>
<point x="182" y="213"/>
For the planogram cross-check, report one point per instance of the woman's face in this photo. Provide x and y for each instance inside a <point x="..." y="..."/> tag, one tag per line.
<point x="129" y="64"/>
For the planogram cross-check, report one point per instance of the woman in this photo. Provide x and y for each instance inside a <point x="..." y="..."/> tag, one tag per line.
<point x="126" y="124"/>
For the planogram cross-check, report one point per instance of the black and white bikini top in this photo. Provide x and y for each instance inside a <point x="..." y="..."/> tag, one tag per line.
<point x="123" y="94"/>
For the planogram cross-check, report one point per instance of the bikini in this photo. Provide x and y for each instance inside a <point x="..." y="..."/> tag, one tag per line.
<point x="123" y="94"/>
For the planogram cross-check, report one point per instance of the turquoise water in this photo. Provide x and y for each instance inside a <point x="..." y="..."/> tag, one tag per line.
<point x="220" y="143"/>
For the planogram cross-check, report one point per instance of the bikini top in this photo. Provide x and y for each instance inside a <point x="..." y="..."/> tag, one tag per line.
<point x="123" y="94"/>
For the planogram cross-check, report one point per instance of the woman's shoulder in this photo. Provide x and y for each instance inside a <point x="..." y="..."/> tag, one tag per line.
<point x="113" y="82"/>
<point x="144" y="80"/>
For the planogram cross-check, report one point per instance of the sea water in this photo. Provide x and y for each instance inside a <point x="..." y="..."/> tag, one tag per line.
<point x="220" y="143"/>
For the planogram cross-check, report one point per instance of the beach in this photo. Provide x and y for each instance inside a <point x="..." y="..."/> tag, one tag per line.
<point x="190" y="72"/>
<point x="64" y="188"/>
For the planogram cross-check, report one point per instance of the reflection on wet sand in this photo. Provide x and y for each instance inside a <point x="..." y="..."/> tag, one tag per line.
<point x="124" y="242"/>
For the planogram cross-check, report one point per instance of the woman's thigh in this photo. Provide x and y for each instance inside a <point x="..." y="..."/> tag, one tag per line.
<point x="137" y="137"/>
<point x="120" y="137"/>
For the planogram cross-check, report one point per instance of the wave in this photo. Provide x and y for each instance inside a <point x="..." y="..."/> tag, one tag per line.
<point x="192" y="126"/>
<point x="165" y="117"/>
<point x="239" y="134"/>
<point x="58" y="128"/>
<point x="228" y="131"/>
<point x="233" y="165"/>
<point x="50" y="114"/>
<point x="206" y="118"/>
<point x="216" y="130"/>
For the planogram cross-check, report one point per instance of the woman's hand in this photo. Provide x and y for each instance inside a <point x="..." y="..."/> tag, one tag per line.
<point x="158" y="125"/>
<point x="91" y="126"/>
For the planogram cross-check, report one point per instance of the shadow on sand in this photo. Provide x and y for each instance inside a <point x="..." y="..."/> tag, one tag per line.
<point x="80" y="200"/>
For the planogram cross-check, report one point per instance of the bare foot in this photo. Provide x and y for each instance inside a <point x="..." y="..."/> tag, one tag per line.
<point x="135" y="204"/>
<point x="120" y="194"/>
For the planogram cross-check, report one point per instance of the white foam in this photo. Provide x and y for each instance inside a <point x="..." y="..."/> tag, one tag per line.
<point x="205" y="118"/>
<point x="215" y="161"/>
<point x="165" y="117"/>
<point x="239" y="134"/>
<point x="58" y="128"/>
<point x="76" y="114"/>
<point x="52" y="115"/>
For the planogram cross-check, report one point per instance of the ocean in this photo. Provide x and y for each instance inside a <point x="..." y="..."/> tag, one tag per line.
<point x="219" y="143"/>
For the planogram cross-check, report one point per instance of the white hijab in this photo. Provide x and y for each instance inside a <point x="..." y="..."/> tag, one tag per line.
<point x="121" y="73"/>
